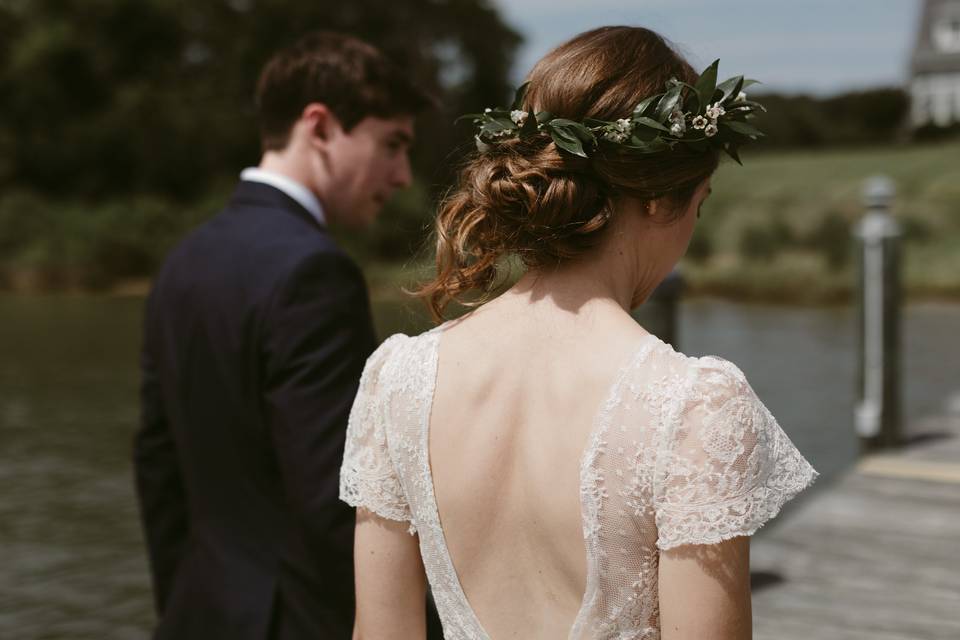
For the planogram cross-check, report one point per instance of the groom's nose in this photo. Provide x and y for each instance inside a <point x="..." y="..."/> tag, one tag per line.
<point x="402" y="175"/>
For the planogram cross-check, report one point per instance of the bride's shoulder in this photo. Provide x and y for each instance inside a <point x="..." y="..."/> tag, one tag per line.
<point x="695" y="377"/>
<point x="387" y="349"/>
<point x="719" y="374"/>
<point x="382" y="359"/>
<point x="398" y="354"/>
<point x="715" y="387"/>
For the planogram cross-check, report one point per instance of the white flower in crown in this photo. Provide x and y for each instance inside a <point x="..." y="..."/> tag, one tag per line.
<point x="677" y="117"/>
<point x="518" y="117"/>
<point x="621" y="130"/>
<point x="615" y="136"/>
<point x="715" y="110"/>
<point x="678" y="129"/>
<point x="710" y="130"/>
<point x="741" y="97"/>
<point x="487" y="110"/>
<point x="700" y="122"/>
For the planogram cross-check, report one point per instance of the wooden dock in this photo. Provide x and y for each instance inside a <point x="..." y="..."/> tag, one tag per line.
<point x="873" y="555"/>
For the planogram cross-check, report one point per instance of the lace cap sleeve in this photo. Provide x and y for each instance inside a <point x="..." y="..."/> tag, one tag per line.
<point x="368" y="478"/>
<point x="726" y="467"/>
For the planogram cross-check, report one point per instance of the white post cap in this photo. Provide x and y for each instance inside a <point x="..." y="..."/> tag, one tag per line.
<point x="878" y="192"/>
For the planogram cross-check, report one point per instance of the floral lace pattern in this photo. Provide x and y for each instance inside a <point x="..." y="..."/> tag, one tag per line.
<point x="682" y="452"/>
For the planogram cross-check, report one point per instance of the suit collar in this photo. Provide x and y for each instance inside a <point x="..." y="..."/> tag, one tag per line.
<point x="264" y="195"/>
<point x="296" y="190"/>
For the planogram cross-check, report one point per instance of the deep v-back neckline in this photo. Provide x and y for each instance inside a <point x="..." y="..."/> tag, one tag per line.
<point x="587" y="459"/>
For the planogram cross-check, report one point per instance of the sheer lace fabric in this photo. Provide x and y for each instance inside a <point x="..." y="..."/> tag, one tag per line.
<point x="682" y="452"/>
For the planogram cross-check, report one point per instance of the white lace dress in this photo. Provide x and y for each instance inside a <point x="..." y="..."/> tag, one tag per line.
<point x="682" y="452"/>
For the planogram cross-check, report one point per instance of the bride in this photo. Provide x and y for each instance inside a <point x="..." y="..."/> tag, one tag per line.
<point x="550" y="468"/>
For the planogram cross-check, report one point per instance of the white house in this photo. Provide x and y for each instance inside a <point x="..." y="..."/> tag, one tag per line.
<point x="935" y="65"/>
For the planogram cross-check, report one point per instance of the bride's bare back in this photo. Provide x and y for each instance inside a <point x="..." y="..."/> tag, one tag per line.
<point x="518" y="390"/>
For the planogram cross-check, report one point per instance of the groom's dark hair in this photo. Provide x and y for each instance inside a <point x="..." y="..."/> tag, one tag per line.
<point x="352" y="78"/>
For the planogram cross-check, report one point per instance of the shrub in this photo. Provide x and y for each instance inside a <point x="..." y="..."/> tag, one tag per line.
<point x="831" y="239"/>
<point x="701" y="247"/>
<point x="763" y="241"/>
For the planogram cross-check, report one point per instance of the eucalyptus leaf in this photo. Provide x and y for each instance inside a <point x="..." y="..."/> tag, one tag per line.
<point x="749" y="83"/>
<point x="732" y="152"/>
<point x="544" y="116"/>
<point x="651" y="123"/>
<point x="707" y="84"/>
<point x="644" y="105"/>
<point x="563" y="122"/>
<point x="571" y="136"/>
<point x="574" y="128"/>
<point x="567" y="141"/>
<point x="691" y="93"/>
<point x="669" y="102"/>
<point x="730" y="88"/>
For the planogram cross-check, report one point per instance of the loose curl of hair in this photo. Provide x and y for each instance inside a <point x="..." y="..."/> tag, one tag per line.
<point x="527" y="198"/>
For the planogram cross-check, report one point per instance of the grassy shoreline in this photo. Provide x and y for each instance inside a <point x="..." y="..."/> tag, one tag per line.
<point x="777" y="230"/>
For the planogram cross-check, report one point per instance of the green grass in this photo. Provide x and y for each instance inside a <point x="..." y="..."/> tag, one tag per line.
<point x="779" y="227"/>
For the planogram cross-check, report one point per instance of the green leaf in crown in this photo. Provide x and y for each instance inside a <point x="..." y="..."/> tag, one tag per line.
<point x="704" y="116"/>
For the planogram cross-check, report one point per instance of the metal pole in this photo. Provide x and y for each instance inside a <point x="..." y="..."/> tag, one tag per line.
<point x="877" y="415"/>
<point x="659" y="313"/>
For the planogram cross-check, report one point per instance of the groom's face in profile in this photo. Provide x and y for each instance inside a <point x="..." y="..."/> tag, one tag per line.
<point x="367" y="165"/>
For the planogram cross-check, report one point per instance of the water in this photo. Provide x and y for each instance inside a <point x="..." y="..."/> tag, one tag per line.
<point x="72" y="563"/>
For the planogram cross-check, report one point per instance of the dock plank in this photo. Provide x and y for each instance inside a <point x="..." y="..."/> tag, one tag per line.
<point x="873" y="556"/>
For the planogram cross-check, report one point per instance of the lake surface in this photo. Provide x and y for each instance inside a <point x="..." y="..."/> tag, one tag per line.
<point x="72" y="563"/>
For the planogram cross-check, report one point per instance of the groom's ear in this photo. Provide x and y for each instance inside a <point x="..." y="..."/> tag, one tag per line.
<point x="320" y="120"/>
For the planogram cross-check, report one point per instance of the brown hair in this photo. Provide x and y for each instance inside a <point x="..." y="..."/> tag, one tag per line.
<point x="352" y="78"/>
<point x="525" y="197"/>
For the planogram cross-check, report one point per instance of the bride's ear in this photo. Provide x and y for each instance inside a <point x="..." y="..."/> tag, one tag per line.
<point x="646" y="210"/>
<point x="660" y="210"/>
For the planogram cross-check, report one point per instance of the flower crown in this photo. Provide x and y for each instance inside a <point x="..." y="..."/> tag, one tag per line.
<point x="701" y="116"/>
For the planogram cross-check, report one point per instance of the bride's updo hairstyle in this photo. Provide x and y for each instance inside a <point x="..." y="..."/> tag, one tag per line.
<point x="527" y="198"/>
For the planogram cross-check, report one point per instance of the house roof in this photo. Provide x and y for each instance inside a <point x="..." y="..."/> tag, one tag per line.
<point x="927" y="57"/>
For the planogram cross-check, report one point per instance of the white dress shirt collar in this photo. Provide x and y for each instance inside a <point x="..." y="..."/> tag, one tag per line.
<point x="289" y="186"/>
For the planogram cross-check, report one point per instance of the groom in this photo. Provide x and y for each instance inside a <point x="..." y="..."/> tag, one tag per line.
<point x="256" y="332"/>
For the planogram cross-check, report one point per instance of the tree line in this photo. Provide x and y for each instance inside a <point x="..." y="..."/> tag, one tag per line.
<point x="124" y="122"/>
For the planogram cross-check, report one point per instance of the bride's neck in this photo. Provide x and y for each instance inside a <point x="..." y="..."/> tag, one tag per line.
<point x="602" y="279"/>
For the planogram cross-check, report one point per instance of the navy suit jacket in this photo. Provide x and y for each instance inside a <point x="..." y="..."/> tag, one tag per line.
<point x="256" y="333"/>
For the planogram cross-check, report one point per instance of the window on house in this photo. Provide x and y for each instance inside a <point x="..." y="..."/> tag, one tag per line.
<point x="946" y="34"/>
